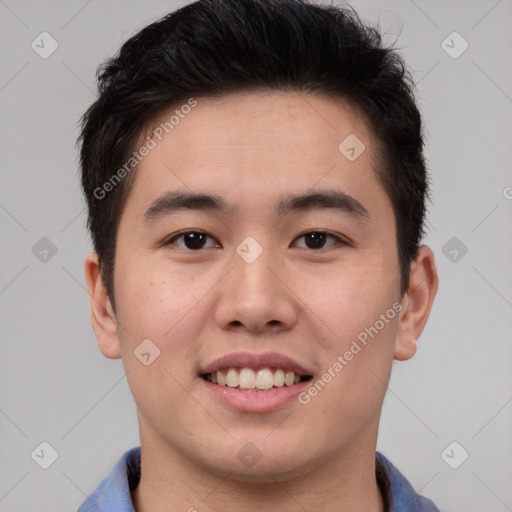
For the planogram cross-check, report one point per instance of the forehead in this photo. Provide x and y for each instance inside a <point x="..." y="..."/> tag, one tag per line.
<point x="288" y="123"/>
<point x="259" y="145"/>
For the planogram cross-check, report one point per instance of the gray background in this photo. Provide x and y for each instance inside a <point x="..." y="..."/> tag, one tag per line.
<point x="57" y="387"/>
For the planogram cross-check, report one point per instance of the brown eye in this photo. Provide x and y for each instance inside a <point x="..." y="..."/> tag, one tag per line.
<point x="192" y="240"/>
<point x="316" y="239"/>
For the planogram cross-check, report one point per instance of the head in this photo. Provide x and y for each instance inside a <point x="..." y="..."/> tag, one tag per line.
<point x="283" y="120"/>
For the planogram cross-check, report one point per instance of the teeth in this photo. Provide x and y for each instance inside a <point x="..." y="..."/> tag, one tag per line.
<point x="232" y="378"/>
<point x="249" y="379"/>
<point x="264" y="379"/>
<point x="289" y="378"/>
<point x="279" y="378"/>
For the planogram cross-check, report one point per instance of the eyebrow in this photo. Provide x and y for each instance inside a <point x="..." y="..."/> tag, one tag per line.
<point x="172" y="202"/>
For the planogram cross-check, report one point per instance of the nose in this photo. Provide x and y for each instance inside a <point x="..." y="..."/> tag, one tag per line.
<point x="256" y="297"/>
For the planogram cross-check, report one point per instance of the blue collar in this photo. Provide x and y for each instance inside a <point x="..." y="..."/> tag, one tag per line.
<point x="113" y="494"/>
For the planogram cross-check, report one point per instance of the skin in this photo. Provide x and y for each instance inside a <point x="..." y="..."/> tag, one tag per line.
<point x="310" y="304"/>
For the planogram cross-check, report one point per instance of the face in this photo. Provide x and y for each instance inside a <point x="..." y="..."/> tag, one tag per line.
<point x="290" y="266"/>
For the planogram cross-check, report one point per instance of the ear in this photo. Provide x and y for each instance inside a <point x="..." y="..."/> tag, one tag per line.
<point x="102" y="315"/>
<point x="417" y="303"/>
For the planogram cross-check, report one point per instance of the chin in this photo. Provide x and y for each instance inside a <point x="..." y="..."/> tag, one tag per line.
<point x="253" y="465"/>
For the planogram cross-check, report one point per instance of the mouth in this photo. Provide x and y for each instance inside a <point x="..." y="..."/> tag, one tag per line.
<point x="251" y="382"/>
<point x="255" y="379"/>
<point x="257" y="373"/>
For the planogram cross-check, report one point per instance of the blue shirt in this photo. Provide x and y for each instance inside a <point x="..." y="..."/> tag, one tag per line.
<point x="113" y="494"/>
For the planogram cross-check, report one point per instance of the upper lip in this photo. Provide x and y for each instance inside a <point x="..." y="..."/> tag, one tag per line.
<point x="255" y="361"/>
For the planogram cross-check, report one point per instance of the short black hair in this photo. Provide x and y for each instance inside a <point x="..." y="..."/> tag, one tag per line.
<point x="216" y="47"/>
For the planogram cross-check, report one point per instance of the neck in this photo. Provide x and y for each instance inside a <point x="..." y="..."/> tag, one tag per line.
<point x="171" y="482"/>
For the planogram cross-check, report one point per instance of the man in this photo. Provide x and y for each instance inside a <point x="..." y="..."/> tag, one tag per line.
<point x="256" y="190"/>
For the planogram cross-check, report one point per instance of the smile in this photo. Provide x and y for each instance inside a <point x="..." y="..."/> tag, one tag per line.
<point x="255" y="382"/>
<point x="253" y="379"/>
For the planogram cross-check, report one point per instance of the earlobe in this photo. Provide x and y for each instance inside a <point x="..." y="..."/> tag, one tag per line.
<point x="103" y="318"/>
<point x="417" y="303"/>
<point x="404" y="348"/>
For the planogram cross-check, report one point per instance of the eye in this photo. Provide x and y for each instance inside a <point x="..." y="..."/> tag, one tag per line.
<point x="193" y="240"/>
<point x="317" y="239"/>
<point x="196" y="240"/>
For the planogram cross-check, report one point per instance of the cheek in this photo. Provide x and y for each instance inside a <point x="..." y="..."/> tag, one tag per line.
<point x="353" y="299"/>
<point x="360" y="310"/>
<point x="357" y="355"/>
<point x="155" y="301"/>
<point x="153" y="306"/>
<point x="164" y="308"/>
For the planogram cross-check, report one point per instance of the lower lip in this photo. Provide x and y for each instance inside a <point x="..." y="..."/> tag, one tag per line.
<point x="256" y="401"/>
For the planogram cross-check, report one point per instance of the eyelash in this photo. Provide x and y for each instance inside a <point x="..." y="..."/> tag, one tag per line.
<point x="339" y="241"/>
